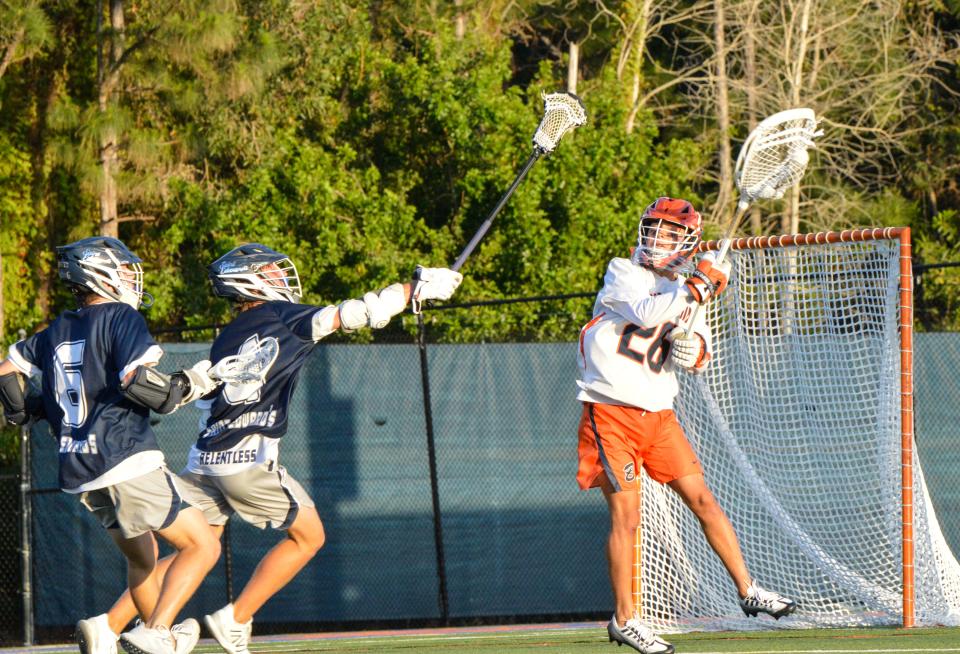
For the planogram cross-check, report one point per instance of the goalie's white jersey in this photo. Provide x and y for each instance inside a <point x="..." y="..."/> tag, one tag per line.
<point x="623" y="350"/>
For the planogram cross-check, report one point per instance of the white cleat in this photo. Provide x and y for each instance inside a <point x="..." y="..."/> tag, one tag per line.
<point x="635" y="635"/>
<point x="144" y="640"/>
<point x="759" y="601"/>
<point x="185" y="635"/>
<point x="94" y="636"/>
<point x="233" y="636"/>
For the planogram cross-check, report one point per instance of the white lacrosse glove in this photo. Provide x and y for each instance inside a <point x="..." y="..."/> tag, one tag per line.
<point x="709" y="279"/>
<point x="688" y="353"/>
<point x="201" y="382"/>
<point x="433" y="284"/>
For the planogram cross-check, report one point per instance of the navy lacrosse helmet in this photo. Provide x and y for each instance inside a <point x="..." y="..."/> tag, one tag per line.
<point x="254" y="272"/>
<point x="104" y="266"/>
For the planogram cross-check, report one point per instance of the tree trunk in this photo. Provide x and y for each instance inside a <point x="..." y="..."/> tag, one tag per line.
<point x="751" y="89"/>
<point x="460" y="21"/>
<point x="723" y="115"/>
<point x="632" y="59"/>
<point x="791" y="218"/>
<point x="108" y="77"/>
<point x="573" y="67"/>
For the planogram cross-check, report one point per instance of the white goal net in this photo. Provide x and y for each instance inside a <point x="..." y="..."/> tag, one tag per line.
<point x="797" y="423"/>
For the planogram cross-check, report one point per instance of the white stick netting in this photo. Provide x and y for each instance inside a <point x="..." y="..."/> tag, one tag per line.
<point x="561" y="113"/>
<point x="797" y="424"/>
<point x="775" y="154"/>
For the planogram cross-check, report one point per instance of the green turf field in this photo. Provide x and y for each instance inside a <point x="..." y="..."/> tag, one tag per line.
<point x="556" y="638"/>
<point x="595" y="640"/>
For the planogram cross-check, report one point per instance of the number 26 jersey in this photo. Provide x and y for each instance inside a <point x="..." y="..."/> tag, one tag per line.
<point x="623" y="352"/>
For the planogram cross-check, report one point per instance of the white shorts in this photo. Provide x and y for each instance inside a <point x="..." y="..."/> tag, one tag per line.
<point x="149" y="502"/>
<point x="263" y="496"/>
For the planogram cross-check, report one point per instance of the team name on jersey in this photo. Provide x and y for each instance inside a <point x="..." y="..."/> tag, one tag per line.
<point x="230" y="456"/>
<point x="70" y="446"/>
<point x="250" y="419"/>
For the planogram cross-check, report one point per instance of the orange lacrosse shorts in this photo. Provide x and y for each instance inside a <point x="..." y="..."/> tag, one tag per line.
<point x="616" y="440"/>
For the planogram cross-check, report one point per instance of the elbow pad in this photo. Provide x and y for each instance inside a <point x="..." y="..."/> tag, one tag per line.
<point x="12" y="398"/>
<point x="374" y="310"/>
<point x="155" y="390"/>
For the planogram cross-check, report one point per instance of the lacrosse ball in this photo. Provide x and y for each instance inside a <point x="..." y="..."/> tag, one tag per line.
<point x="800" y="157"/>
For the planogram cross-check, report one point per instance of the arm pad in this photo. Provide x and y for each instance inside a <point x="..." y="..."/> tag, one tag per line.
<point x="374" y="310"/>
<point x="11" y="396"/>
<point x="155" y="390"/>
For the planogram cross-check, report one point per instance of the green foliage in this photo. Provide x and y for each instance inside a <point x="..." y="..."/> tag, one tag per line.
<point x="362" y="139"/>
<point x="938" y="288"/>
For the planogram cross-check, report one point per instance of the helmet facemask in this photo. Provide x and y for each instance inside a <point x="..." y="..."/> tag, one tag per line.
<point x="664" y="245"/>
<point x="668" y="235"/>
<point x="255" y="281"/>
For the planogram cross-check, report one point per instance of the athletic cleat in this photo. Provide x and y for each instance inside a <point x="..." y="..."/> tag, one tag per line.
<point x="635" y="635"/>
<point x="144" y="640"/>
<point x="759" y="600"/>
<point x="94" y="636"/>
<point x="233" y="636"/>
<point x="185" y="635"/>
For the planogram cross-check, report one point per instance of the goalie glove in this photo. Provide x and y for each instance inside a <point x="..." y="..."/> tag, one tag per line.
<point x="433" y="284"/>
<point x="689" y="353"/>
<point x="709" y="279"/>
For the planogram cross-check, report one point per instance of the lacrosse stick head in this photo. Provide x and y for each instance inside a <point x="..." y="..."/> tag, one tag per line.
<point x="562" y="112"/>
<point x="775" y="155"/>
<point x="668" y="234"/>
<point x="249" y="366"/>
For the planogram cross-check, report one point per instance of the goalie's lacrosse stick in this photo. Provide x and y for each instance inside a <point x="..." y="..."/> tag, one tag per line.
<point x="771" y="161"/>
<point x="247" y="367"/>
<point x="562" y="112"/>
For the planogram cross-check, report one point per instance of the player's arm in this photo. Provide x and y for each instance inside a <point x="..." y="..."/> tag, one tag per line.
<point x="376" y="309"/>
<point x="166" y="393"/>
<point x="625" y="293"/>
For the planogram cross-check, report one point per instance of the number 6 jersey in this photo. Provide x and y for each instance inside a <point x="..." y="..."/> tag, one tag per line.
<point x="84" y="354"/>
<point x="623" y="350"/>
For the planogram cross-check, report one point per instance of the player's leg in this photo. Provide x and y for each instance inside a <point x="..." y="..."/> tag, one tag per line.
<point x="216" y="511"/>
<point x="266" y="496"/>
<point x="624" y="521"/>
<point x="197" y="552"/>
<point x="694" y="492"/>
<point x="607" y="458"/>
<point x="281" y="564"/>
<point x="137" y="544"/>
<point x="153" y="502"/>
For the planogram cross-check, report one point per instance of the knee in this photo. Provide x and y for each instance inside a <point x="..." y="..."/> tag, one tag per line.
<point x="625" y="521"/>
<point x="309" y="538"/>
<point x="706" y="507"/>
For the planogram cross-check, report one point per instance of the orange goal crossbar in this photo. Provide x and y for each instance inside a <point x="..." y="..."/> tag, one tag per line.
<point x="906" y="366"/>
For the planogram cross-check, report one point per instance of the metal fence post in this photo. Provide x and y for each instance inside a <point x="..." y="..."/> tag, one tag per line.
<point x="434" y="484"/>
<point x="26" y="535"/>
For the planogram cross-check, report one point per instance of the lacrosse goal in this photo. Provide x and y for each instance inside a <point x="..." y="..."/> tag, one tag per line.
<point x="803" y="422"/>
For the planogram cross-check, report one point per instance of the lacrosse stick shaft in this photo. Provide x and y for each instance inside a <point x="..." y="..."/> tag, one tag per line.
<point x="742" y="207"/>
<point x="481" y="232"/>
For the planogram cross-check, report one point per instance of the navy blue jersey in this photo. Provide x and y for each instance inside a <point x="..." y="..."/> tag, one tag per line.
<point x="83" y="356"/>
<point x="239" y="410"/>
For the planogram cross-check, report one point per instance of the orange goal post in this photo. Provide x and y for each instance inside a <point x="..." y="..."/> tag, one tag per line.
<point x="803" y="422"/>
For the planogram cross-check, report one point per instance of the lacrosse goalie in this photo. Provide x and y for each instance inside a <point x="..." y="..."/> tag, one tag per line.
<point x="628" y="357"/>
<point x="233" y="468"/>
<point x="98" y="388"/>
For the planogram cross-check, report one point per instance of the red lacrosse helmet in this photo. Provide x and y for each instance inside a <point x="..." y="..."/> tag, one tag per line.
<point x="669" y="232"/>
